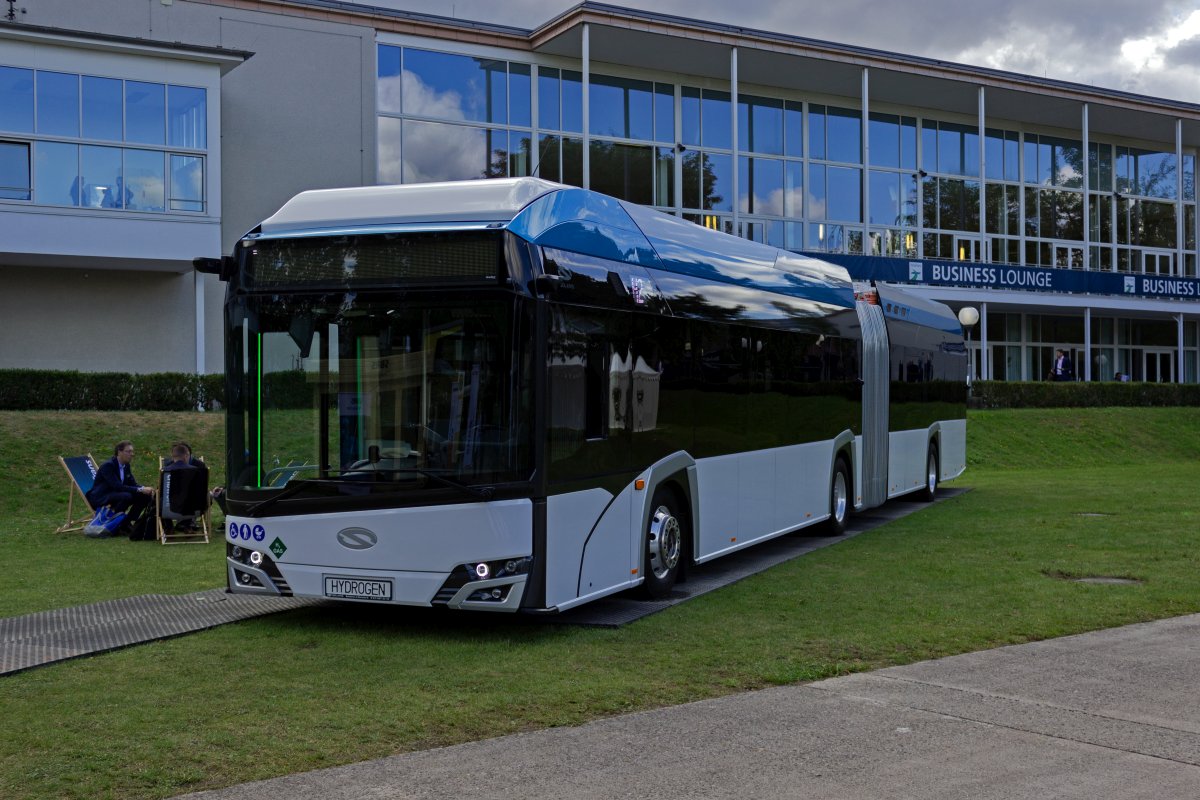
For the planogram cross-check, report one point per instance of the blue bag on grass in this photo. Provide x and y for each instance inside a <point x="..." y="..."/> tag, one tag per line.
<point x="105" y="523"/>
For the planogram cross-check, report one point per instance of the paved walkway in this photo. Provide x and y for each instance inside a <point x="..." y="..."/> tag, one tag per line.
<point x="1112" y="714"/>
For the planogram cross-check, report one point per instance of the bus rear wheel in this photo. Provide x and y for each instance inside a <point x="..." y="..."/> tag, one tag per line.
<point x="929" y="493"/>
<point x="665" y="534"/>
<point x="839" y="499"/>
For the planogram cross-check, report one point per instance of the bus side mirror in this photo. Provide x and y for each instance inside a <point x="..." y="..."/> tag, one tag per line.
<point x="544" y="284"/>
<point x="222" y="266"/>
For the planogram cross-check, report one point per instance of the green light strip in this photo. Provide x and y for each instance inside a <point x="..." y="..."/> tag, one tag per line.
<point x="362" y="449"/>
<point x="258" y="401"/>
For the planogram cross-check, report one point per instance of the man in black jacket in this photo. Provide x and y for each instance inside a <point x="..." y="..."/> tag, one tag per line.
<point x="1062" y="369"/>
<point x="116" y="487"/>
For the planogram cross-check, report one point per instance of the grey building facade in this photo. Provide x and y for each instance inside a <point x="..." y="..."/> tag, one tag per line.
<point x="1065" y="213"/>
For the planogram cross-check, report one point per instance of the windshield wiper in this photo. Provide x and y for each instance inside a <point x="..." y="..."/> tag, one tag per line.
<point x="485" y="493"/>
<point x="295" y="488"/>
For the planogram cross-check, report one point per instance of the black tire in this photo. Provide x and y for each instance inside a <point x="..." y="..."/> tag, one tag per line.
<point x="666" y="538"/>
<point x="839" y="499"/>
<point x="929" y="493"/>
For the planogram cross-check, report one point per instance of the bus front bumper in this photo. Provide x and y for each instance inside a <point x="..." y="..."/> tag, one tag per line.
<point x="460" y="589"/>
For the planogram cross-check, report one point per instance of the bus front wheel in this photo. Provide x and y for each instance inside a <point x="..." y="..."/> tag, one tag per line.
<point x="664" y="544"/>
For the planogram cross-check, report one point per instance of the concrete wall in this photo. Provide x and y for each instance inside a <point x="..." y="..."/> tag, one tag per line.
<point x="96" y="320"/>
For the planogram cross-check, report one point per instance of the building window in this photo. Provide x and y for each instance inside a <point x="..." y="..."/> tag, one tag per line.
<point x="57" y="104"/>
<point x="16" y="99"/>
<point x="893" y="141"/>
<point x="104" y="116"/>
<point x="1146" y="173"/>
<point x="454" y="87"/>
<point x="444" y="117"/>
<point x="14" y="171"/>
<point x="760" y="125"/>
<point x="621" y="107"/>
<point x="835" y="134"/>
<point x="950" y="148"/>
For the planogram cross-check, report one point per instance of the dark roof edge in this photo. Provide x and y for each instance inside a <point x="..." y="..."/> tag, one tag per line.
<point x="855" y="50"/>
<point x="107" y="38"/>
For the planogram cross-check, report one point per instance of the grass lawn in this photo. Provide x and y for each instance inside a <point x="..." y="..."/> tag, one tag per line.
<point x="1055" y="494"/>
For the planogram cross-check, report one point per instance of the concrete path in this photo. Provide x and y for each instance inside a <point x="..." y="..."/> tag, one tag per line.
<point x="1112" y="714"/>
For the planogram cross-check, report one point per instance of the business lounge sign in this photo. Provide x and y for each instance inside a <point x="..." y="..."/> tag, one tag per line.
<point x="993" y="276"/>
<point x="1003" y="276"/>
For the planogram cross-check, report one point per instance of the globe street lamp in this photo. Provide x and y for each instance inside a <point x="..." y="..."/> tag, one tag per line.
<point x="967" y="317"/>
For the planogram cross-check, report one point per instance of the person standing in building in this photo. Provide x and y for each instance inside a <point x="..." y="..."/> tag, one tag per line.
<point x="1063" y="369"/>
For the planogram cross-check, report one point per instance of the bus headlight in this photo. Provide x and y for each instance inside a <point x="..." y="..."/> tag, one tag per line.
<point x="256" y="558"/>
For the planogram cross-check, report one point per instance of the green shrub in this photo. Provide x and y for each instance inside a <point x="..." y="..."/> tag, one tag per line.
<point x="30" y="389"/>
<point x="35" y="389"/>
<point x="1049" y="394"/>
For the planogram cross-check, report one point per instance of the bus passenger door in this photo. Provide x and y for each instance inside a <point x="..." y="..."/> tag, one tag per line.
<point x="588" y="458"/>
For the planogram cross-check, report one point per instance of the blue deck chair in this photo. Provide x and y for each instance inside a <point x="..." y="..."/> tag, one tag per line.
<point x="81" y="471"/>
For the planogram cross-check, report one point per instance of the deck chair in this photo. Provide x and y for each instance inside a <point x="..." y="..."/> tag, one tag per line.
<point x="182" y="498"/>
<point x="81" y="471"/>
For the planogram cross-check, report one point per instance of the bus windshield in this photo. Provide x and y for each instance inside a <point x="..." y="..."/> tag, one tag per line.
<point x="346" y="394"/>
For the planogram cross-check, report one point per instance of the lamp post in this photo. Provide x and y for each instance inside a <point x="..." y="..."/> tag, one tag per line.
<point x="967" y="317"/>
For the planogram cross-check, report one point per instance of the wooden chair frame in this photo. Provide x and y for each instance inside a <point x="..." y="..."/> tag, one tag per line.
<point x="199" y="536"/>
<point x="76" y="523"/>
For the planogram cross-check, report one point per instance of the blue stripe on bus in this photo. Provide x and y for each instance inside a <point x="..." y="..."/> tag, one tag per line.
<point x="594" y="224"/>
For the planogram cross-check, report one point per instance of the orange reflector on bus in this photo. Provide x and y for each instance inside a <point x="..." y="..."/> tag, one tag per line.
<point x="633" y="571"/>
<point x="639" y="484"/>
<point x="733" y="538"/>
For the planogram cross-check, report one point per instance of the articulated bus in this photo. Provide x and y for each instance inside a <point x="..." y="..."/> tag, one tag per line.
<point x="514" y="395"/>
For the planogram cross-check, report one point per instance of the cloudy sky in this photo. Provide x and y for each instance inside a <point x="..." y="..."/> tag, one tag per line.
<point x="1149" y="47"/>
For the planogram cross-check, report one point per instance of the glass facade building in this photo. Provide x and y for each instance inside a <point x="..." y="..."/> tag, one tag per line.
<point x="860" y="176"/>
<point x="1065" y="213"/>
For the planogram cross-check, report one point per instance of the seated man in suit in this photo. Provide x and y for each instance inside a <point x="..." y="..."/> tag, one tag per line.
<point x="181" y="458"/>
<point x="116" y="487"/>
<point x="217" y="494"/>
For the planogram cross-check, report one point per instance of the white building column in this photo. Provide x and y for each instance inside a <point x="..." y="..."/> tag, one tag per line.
<point x="198" y="294"/>
<point x="1087" y="343"/>
<point x="1087" y="198"/>
<point x="985" y="253"/>
<point x="678" y="149"/>
<point x="1179" y="356"/>
<point x="733" y="129"/>
<point x="535" y="149"/>
<point x="983" y="342"/>
<point x="1180" y="217"/>
<point x="865" y="132"/>
<point x="587" y="109"/>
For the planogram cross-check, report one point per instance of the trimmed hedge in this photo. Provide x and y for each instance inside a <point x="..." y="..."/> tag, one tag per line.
<point x="34" y="389"/>
<point x="1049" y="394"/>
<point x="30" y="389"/>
